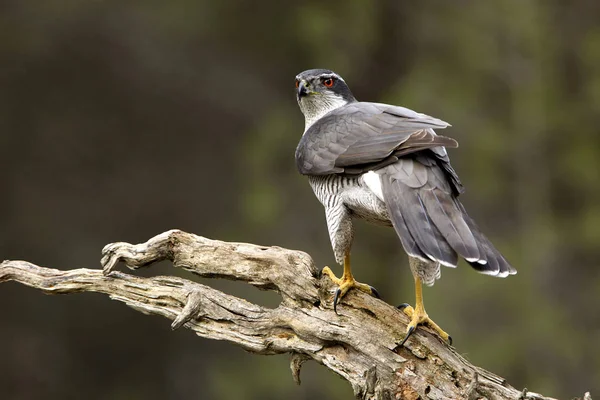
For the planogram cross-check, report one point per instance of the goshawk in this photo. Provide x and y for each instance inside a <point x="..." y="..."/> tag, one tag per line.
<point x="385" y="164"/>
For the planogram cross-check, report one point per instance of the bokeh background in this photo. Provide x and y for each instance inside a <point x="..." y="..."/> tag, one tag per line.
<point x="120" y="120"/>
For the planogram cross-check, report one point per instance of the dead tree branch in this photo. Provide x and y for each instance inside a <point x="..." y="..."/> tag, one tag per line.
<point x="360" y="343"/>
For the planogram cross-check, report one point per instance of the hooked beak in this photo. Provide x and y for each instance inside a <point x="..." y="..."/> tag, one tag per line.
<point x="302" y="90"/>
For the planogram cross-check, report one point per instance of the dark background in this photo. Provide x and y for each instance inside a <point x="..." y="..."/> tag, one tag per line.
<point x="120" y="120"/>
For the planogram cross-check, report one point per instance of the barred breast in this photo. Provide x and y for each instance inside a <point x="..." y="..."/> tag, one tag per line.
<point x="353" y="193"/>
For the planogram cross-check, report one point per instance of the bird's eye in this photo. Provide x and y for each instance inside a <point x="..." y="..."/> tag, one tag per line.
<point x="297" y="83"/>
<point x="327" y="81"/>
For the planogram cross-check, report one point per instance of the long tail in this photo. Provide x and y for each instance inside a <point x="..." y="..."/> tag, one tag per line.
<point x="433" y="225"/>
<point x="496" y="263"/>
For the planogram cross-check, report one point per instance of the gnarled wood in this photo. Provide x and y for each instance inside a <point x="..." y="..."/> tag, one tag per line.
<point x="360" y="343"/>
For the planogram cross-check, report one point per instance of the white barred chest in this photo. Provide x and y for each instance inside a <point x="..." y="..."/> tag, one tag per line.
<point x="354" y="193"/>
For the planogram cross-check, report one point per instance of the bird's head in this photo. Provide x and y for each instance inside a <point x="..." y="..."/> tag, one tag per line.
<point x="319" y="91"/>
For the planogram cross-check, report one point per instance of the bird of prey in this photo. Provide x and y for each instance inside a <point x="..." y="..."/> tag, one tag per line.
<point x="385" y="164"/>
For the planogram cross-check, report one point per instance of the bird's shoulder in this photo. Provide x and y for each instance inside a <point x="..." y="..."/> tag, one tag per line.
<point x="383" y="116"/>
<point x="361" y="136"/>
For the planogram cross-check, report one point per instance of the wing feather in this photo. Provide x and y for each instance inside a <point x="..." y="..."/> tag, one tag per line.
<point x="362" y="136"/>
<point x="377" y="148"/>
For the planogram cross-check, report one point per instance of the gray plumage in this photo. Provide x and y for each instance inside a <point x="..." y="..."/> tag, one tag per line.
<point x="386" y="164"/>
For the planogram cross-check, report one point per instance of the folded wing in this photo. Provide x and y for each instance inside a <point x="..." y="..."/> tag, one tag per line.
<point x="419" y="185"/>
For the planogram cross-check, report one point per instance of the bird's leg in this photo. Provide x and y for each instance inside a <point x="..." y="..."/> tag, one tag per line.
<point x="418" y="315"/>
<point x="347" y="282"/>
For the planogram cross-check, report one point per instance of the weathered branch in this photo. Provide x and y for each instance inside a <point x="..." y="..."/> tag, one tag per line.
<point x="360" y="343"/>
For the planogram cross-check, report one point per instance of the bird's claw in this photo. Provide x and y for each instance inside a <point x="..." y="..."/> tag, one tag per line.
<point x="336" y="297"/>
<point x="345" y="284"/>
<point x="374" y="292"/>
<point x="409" y="332"/>
<point x="420" y="317"/>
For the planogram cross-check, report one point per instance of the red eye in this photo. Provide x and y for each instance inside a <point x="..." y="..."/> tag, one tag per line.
<point x="297" y="83"/>
<point x="327" y="82"/>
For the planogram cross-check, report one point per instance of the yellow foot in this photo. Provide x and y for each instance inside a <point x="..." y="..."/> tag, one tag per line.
<point x="420" y="317"/>
<point x="346" y="283"/>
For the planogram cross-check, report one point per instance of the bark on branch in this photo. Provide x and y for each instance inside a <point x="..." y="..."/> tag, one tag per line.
<point x="360" y="343"/>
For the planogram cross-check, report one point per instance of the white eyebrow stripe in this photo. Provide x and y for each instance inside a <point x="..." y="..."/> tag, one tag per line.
<point x="330" y="75"/>
<point x="336" y="76"/>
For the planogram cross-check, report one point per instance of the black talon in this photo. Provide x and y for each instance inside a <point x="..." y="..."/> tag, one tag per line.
<point x="402" y="306"/>
<point x="335" y="299"/>
<point x="375" y="292"/>
<point x="450" y="340"/>
<point x="410" y="331"/>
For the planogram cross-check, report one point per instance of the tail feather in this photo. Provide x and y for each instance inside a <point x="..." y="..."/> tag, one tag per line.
<point x="496" y="265"/>
<point x="433" y="225"/>
<point x="413" y="224"/>
<point x="449" y="220"/>
<point x="408" y="242"/>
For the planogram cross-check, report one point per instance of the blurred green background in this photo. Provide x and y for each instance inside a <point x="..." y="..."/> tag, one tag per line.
<point x="122" y="119"/>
